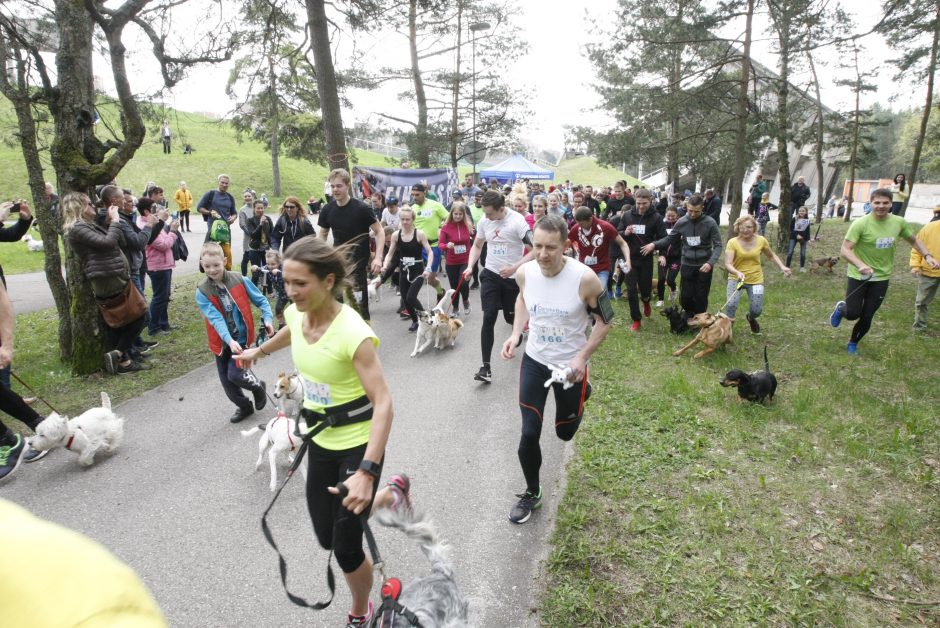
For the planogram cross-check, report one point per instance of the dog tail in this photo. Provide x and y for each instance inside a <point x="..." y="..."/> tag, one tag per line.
<point x="419" y="527"/>
<point x="766" y="362"/>
<point x="253" y="430"/>
<point x="105" y="400"/>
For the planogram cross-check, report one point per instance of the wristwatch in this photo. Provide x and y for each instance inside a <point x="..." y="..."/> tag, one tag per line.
<point x="372" y="468"/>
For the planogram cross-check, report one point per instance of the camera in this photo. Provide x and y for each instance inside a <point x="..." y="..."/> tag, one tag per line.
<point x="101" y="217"/>
<point x="17" y="205"/>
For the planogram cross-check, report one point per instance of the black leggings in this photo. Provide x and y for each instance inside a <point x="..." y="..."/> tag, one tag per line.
<point x="480" y="264"/>
<point x="862" y="300"/>
<point x="667" y="277"/>
<point x="695" y="288"/>
<point x="336" y="527"/>
<point x="569" y="408"/>
<point x="184" y="219"/>
<point x="453" y="276"/>
<point x="639" y="283"/>
<point x="496" y="293"/>
<point x="13" y="404"/>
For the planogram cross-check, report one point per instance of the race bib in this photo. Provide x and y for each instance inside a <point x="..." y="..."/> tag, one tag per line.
<point x="668" y="231"/>
<point x="317" y="393"/>
<point x="590" y="260"/>
<point x="549" y="335"/>
<point x="884" y="243"/>
<point x="460" y="249"/>
<point x="425" y="213"/>
<point x="407" y="261"/>
<point x="639" y="229"/>
<point x="693" y="240"/>
<point x="757" y="289"/>
<point x="499" y="249"/>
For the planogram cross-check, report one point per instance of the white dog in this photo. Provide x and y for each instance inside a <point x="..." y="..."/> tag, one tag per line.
<point x="33" y="245"/>
<point x="289" y="394"/>
<point x="98" y="428"/>
<point x="375" y="294"/>
<point x="426" y="332"/>
<point x="280" y="434"/>
<point x="434" y="327"/>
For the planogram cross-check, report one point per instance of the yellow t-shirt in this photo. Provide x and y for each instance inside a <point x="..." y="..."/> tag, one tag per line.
<point x="748" y="262"/>
<point x="329" y="377"/>
<point x="51" y="576"/>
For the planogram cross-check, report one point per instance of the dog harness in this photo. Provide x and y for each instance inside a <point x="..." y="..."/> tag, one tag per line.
<point x="390" y="608"/>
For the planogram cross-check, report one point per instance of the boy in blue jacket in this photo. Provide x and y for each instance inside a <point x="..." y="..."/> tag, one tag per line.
<point x="225" y="299"/>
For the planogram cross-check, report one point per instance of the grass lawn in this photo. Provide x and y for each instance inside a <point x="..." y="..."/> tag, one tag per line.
<point x="685" y="506"/>
<point x="17" y="258"/>
<point x="35" y="359"/>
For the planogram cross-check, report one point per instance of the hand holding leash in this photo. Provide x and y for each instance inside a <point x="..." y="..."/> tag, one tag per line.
<point x="356" y="491"/>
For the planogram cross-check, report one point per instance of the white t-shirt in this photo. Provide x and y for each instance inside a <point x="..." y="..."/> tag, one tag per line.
<point x="558" y="318"/>
<point x="390" y="219"/>
<point x="503" y="237"/>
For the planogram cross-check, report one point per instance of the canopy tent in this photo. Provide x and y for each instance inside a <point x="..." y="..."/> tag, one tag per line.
<point x="515" y="168"/>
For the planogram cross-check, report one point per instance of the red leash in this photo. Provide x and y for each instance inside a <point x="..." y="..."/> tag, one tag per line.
<point x="457" y="290"/>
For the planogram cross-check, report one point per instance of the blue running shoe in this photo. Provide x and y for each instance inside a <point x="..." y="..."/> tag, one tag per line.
<point x="835" y="319"/>
<point x="619" y="292"/>
<point x="853" y="348"/>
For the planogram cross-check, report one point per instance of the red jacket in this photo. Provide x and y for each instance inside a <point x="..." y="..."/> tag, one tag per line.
<point x="233" y="283"/>
<point x="459" y="234"/>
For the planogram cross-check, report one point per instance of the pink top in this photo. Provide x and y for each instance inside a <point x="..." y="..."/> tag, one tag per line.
<point x="459" y="234"/>
<point x="160" y="251"/>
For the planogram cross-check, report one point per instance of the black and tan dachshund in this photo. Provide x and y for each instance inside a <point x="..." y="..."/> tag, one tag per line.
<point x="678" y="319"/>
<point x="756" y="386"/>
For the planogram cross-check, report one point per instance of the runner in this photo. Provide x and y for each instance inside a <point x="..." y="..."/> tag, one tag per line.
<point x="429" y="214"/>
<point x="640" y="226"/>
<point x="505" y="233"/>
<point x="869" y="249"/>
<point x="592" y="238"/>
<point x="559" y="298"/>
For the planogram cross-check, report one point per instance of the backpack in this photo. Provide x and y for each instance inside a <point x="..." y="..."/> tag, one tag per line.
<point x="220" y="232"/>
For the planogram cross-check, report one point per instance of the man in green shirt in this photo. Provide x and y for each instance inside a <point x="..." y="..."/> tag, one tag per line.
<point x="429" y="215"/>
<point x="869" y="249"/>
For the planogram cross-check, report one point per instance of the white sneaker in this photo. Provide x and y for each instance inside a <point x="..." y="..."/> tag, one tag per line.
<point x="466" y="311"/>
<point x="659" y="304"/>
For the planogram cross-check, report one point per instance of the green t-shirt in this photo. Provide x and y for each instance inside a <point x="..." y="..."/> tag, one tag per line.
<point x="875" y="241"/>
<point x="329" y="377"/>
<point x="476" y="213"/>
<point x="429" y="217"/>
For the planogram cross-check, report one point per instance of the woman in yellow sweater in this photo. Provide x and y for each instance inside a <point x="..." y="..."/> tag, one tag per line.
<point x="742" y="260"/>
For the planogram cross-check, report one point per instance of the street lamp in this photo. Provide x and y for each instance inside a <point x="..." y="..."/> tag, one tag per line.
<point x="474" y="29"/>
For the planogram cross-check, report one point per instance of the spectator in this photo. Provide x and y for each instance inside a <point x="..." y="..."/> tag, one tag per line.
<point x="12" y="233"/>
<point x="184" y="204"/>
<point x="137" y="235"/>
<point x="291" y="225"/>
<point x="245" y="212"/>
<point x="800" y="228"/>
<point x="219" y="205"/>
<point x="160" y="264"/>
<point x="928" y="277"/>
<point x="167" y="136"/>
<point x="712" y="206"/>
<point x="763" y="213"/>
<point x="799" y="194"/>
<point x="899" y="193"/>
<point x="259" y="234"/>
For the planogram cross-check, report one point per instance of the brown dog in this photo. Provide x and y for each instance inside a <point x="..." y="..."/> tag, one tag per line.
<point x="715" y="331"/>
<point x="825" y="262"/>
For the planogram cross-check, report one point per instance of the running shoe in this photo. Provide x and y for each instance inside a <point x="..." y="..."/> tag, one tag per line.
<point x="647" y="310"/>
<point x="111" y="361"/>
<point x="835" y="319"/>
<point x="659" y="304"/>
<point x="528" y="502"/>
<point x="466" y="311"/>
<point x="619" y="292"/>
<point x="130" y="367"/>
<point x="32" y="455"/>
<point x="11" y="457"/>
<point x="400" y="485"/>
<point x="484" y="375"/>
<point x="260" y="396"/>
<point x="635" y="326"/>
<point x="414" y="327"/>
<point x="755" y="326"/>
<point x="852" y="348"/>
<point x="359" y="620"/>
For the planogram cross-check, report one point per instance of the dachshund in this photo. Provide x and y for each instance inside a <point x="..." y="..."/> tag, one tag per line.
<point x="678" y="319"/>
<point x="756" y="386"/>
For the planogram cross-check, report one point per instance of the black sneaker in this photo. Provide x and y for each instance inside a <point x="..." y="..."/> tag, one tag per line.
<point x="755" y="326"/>
<point x="414" y="327"/>
<point x="32" y="455"/>
<point x="261" y="397"/>
<point x="111" y="361"/>
<point x="484" y="374"/>
<point x="11" y="457"/>
<point x="130" y="367"/>
<point x="150" y="344"/>
<point x="528" y="502"/>
<point x="240" y="415"/>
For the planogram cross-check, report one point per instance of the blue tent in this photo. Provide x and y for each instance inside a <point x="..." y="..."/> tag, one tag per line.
<point x="515" y="168"/>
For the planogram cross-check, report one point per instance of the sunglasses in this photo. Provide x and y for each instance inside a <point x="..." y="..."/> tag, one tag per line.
<point x="291" y="207"/>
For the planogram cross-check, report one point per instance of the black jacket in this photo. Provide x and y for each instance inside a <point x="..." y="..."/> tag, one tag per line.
<point x="13" y="233"/>
<point x="701" y="240"/>
<point x="651" y="223"/>
<point x="799" y="194"/>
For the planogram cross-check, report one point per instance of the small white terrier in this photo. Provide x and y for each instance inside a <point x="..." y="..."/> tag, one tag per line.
<point x="289" y="394"/>
<point x="93" y="430"/>
<point x="33" y="245"/>
<point x="279" y="434"/>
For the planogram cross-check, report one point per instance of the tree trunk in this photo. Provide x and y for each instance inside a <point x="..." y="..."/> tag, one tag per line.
<point x="672" y="154"/>
<point x="783" y="153"/>
<point x="333" y="132"/>
<point x="737" y="177"/>
<point x="856" y="131"/>
<point x="49" y="225"/>
<point x="454" y="128"/>
<point x="928" y="105"/>
<point x="422" y="150"/>
<point x="275" y="125"/>
<point x="818" y="148"/>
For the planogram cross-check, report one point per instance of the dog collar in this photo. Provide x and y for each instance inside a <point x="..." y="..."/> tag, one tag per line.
<point x="68" y="445"/>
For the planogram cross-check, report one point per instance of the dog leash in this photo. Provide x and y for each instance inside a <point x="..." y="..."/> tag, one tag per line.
<point x="30" y="389"/>
<point x="736" y="288"/>
<point x="864" y="281"/>
<point x="457" y="290"/>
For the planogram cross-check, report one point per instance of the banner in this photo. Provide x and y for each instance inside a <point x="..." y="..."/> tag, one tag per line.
<point x="397" y="182"/>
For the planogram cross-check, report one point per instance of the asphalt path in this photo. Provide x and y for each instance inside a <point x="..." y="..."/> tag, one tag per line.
<point x="180" y="501"/>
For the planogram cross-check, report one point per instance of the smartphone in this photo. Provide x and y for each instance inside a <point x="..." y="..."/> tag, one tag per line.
<point x="17" y="205"/>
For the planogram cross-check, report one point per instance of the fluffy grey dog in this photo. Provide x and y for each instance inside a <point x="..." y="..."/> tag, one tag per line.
<point x="435" y="598"/>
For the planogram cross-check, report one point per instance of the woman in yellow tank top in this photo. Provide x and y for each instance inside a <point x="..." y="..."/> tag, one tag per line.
<point x="335" y="352"/>
<point x="742" y="260"/>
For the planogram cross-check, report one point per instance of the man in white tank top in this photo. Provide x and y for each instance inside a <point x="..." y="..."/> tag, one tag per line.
<point x="559" y="297"/>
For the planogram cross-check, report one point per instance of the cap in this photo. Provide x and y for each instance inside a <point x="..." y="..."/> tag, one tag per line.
<point x="419" y="187"/>
<point x="391" y="200"/>
<point x="457" y="193"/>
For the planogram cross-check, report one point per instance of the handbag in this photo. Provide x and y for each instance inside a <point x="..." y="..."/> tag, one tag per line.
<point x="123" y="308"/>
<point x="180" y="250"/>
